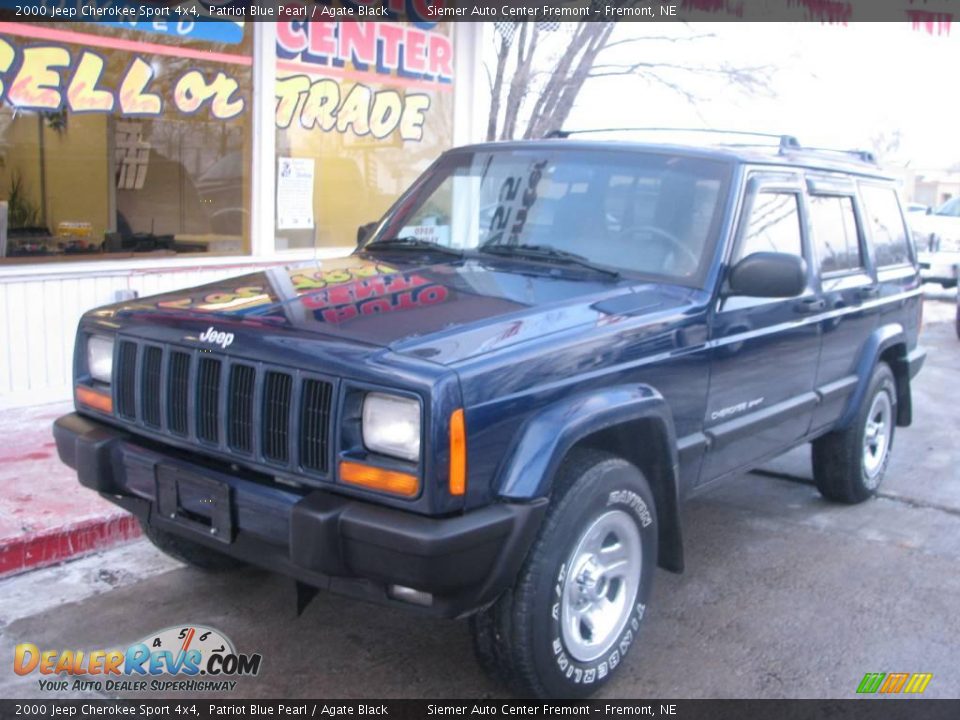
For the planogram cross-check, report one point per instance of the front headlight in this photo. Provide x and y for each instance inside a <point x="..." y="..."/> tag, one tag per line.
<point x="391" y="425"/>
<point x="100" y="358"/>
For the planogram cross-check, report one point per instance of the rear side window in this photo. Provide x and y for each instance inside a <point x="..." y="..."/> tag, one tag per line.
<point x="774" y="226"/>
<point x="887" y="229"/>
<point x="834" y="225"/>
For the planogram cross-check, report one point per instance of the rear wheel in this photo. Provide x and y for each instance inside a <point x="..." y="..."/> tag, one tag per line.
<point x="849" y="464"/>
<point x="576" y="608"/>
<point x="188" y="552"/>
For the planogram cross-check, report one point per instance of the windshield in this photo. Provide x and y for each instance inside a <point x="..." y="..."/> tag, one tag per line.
<point x="648" y="213"/>
<point x="951" y="208"/>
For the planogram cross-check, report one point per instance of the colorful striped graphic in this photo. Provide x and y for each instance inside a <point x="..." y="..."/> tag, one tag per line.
<point x="890" y="683"/>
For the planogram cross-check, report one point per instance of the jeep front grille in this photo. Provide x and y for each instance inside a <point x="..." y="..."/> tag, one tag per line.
<point x="314" y="421"/>
<point x="234" y="408"/>
<point x="240" y="411"/>
<point x="276" y="417"/>
<point x="126" y="381"/>
<point x="178" y="392"/>
<point x="150" y="385"/>
<point x="208" y="400"/>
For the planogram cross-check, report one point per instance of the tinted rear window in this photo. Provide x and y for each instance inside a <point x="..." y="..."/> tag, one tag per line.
<point x="834" y="226"/>
<point x="888" y="233"/>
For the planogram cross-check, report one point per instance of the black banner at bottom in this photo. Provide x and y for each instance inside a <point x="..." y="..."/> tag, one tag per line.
<point x="854" y="709"/>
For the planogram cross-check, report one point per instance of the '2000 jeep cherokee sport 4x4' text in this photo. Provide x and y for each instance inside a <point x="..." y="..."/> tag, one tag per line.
<point x="494" y="408"/>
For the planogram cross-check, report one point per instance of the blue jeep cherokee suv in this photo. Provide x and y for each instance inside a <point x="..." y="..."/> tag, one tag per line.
<point x="494" y="408"/>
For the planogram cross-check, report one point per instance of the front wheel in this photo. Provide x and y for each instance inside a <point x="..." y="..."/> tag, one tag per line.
<point x="849" y="464"/>
<point x="576" y="608"/>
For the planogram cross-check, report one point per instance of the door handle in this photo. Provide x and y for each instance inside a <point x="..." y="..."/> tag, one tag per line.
<point x="810" y="305"/>
<point x="869" y="292"/>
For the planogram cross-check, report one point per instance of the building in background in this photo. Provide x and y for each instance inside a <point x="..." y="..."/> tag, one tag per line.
<point x="149" y="159"/>
<point x="935" y="187"/>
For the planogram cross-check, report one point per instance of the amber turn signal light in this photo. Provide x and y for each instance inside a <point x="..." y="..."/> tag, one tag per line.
<point x="458" y="453"/>
<point x="95" y="399"/>
<point x="374" y="478"/>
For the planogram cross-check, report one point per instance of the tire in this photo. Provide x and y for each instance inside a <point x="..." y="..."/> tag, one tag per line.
<point x="188" y="552"/>
<point x="550" y="636"/>
<point x="848" y="469"/>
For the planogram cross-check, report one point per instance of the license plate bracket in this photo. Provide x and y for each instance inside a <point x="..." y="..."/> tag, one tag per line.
<point x="195" y="502"/>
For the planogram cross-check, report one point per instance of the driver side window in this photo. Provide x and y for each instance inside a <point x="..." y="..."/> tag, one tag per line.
<point x="774" y="226"/>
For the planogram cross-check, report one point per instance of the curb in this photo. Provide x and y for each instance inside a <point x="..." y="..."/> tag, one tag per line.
<point x="33" y="551"/>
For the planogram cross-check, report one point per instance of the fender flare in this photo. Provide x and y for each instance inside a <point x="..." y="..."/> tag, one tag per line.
<point x="881" y="339"/>
<point x="532" y="461"/>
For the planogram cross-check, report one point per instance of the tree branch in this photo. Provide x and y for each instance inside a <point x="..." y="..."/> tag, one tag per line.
<point x="546" y="96"/>
<point x="658" y="38"/>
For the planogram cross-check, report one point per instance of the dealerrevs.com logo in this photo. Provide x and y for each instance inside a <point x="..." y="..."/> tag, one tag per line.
<point x="189" y="658"/>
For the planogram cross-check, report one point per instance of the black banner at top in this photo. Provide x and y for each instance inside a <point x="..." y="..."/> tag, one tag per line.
<point x="933" y="15"/>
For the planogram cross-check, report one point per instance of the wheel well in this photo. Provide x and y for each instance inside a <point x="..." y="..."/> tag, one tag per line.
<point x="896" y="357"/>
<point x="652" y="456"/>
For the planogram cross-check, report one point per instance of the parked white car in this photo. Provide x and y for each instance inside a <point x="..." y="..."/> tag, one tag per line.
<point x="937" y="237"/>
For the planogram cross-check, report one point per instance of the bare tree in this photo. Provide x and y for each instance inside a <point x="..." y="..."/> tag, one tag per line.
<point x="885" y="144"/>
<point x="540" y="68"/>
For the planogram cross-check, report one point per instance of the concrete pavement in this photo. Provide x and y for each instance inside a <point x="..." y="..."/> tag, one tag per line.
<point x="785" y="595"/>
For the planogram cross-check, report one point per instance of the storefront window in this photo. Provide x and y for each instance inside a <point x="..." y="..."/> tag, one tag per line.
<point x="362" y="109"/>
<point x="120" y="143"/>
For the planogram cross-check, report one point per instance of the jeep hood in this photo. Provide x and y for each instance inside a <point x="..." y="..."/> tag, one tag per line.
<point x="442" y="311"/>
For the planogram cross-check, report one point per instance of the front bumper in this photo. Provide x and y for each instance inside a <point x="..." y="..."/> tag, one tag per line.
<point x="317" y="537"/>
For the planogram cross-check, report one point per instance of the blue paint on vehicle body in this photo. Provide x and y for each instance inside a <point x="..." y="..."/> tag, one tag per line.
<point x="542" y="355"/>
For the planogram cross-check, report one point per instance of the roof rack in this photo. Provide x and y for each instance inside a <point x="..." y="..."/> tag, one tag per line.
<point x="785" y="143"/>
<point x="863" y="155"/>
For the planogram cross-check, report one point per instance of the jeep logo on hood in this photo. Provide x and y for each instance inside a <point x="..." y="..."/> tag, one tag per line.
<point x="215" y="337"/>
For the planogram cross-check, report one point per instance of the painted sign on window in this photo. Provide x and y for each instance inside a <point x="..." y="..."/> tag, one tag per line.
<point x="390" y="50"/>
<point x="228" y="32"/>
<point x="362" y="79"/>
<point x="49" y="77"/>
<point x="395" y="68"/>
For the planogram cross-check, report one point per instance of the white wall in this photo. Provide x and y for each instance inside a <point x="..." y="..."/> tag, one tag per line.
<point x="41" y="306"/>
<point x="471" y="99"/>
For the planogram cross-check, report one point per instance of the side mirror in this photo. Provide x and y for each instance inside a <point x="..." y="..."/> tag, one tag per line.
<point x="363" y="232"/>
<point x="769" y="274"/>
<point x="929" y="210"/>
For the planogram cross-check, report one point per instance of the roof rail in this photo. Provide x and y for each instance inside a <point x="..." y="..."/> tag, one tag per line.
<point x="785" y="143"/>
<point x="863" y="155"/>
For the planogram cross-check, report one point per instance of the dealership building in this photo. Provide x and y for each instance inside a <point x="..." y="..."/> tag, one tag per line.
<point x="136" y="160"/>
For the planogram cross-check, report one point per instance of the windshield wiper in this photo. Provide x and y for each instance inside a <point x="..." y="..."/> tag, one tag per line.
<point x="411" y="243"/>
<point x="546" y="253"/>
